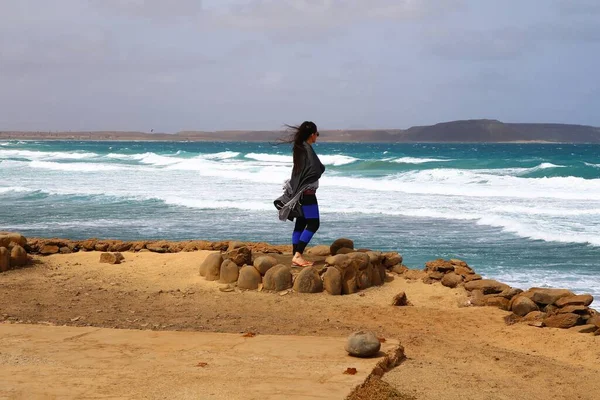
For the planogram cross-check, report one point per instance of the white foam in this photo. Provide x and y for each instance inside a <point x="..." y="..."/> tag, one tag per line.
<point x="415" y="160"/>
<point x="46" y="155"/>
<point x="222" y="155"/>
<point x="219" y="204"/>
<point x="17" y="189"/>
<point x="278" y="158"/>
<point x="73" y="167"/>
<point x="592" y="165"/>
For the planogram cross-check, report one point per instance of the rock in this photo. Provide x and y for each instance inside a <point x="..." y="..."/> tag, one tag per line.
<point x="48" y="249"/>
<point x="4" y="259"/>
<point x="399" y="269"/>
<point x="88" y="245"/>
<point x="240" y="256"/>
<point x="474" y="277"/>
<point x="332" y="281"/>
<point x="119" y="256"/>
<point x="229" y="272"/>
<point x="109" y="258"/>
<point x="349" y="280"/>
<point x="579" y="300"/>
<point x="534" y="316"/>
<point x="439" y="265"/>
<point x="452" y="280"/>
<point x="550" y="309"/>
<point x="264" y="263"/>
<point x="18" y="256"/>
<point x="584" y="328"/>
<point x="562" y="321"/>
<point x="435" y="275"/>
<point x="573" y="309"/>
<point x="339" y="244"/>
<point x="212" y="262"/>
<point x="101" y="246"/>
<point x="235" y="245"/>
<point x="547" y="296"/>
<point x="308" y="281"/>
<point x="364" y="278"/>
<point x="375" y="257"/>
<point x="400" y="300"/>
<point x="320" y="250"/>
<point x="249" y="278"/>
<point x="488" y="286"/>
<point x="595" y="320"/>
<point x="360" y="260"/>
<point x="158" y="247"/>
<point x="65" y="250"/>
<point x="345" y="250"/>
<point x="339" y="260"/>
<point x="499" y="302"/>
<point x="278" y="278"/>
<point x="121" y="246"/>
<point x="459" y="263"/>
<point x="464" y="271"/>
<point x="379" y="275"/>
<point x="363" y="344"/>
<point x="6" y="238"/>
<point x="523" y="306"/>
<point x="392" y="258"/>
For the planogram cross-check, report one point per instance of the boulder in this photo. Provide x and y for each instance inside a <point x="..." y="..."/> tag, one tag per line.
<point x="88" y="245"/>
<point x="278" y="278"/>
<point x="499" y="302"/>
<point x="110" y="258"/>
<point x="400" y="300"/>
<point x="229" y="272"/>
<point x="464" y="271"/>
<point x="159" y="247"/>
<point x="6" y="238"/>
<point x="379" y="275"/>
<point x="101" y="246"/>
<point x="249" y="278"/>
<point x="452" y="280"/>
<point x="573" y="309"/>
<point x="264" y="263"/>
<point x="459" y="263"/>
<point x="18" y="256"/>
<point x="364" y="280"/>
<point x="534" y="316"/>
<point x="579" y="300"/>
<point x="65" y="250"/>
<point x="359" y="260"/>
<point x="332" y="281"/>
<point x="584" y="328"/>
<point x="435" y="275"/>
<point x="339" y="244"/>
<point x="345" y="250"/>
<point x="473" y="277"/>
<point x="375" y="257"/>
<point x="121" y="246"/>
<point x="235" y="245"/>
<point x="399" y="269"/>
<point x="595" y="320"/>
<point x="547" y="296"/>
<point x="363" y="344"/>
<point x="440" y="265"/>
<point x="562" y="321"/>
<point x="523" y="305"/>
<point x="308" y="281"/>
<point x="488" y="286"/>
<point x="4" y="259"/>
<point x="212" y="262"/>
<point x="349" y="280"/>
<point x="414" y="274"/>
<point x="339" y="260"/>
<point x="392" y="258"/>
<point x="240" y="256"/>
<point x="320" y="250"/>
<point x="510" y="293"/>
<point x="48" y="249"/>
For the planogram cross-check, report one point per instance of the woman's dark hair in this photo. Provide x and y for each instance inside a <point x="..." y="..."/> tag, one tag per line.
<point x="299" y="135"/>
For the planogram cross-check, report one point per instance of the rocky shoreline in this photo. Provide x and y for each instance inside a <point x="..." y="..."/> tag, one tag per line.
<point x="339" y="270"/>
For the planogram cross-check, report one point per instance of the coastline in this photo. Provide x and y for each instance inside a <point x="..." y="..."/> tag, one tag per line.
<point x="452" y="347"/>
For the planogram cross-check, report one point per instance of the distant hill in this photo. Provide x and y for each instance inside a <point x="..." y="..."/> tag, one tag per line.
<point x="476" y="130"/>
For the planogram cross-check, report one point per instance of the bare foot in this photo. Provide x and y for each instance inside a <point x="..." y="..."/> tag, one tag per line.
<point x="299" y="261"/>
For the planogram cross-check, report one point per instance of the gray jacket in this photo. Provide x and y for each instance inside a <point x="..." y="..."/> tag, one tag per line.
<point x="288" y="203"/>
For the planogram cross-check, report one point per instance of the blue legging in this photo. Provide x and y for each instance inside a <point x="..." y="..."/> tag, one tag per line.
<point x="306" y="226"/>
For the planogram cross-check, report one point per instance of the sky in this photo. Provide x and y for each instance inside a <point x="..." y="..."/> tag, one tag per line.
<point x="168" y="66"/>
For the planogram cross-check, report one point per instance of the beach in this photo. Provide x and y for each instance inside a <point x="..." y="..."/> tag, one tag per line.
<point x="452" y="351"/>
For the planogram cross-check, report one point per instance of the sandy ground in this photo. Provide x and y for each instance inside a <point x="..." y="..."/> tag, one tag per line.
<point x="453" y="352"/>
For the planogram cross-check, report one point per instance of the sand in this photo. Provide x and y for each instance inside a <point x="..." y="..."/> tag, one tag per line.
<point x="452" y="351"/>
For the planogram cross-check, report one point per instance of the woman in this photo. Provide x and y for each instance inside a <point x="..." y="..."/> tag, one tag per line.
<point x="299" y="200"/>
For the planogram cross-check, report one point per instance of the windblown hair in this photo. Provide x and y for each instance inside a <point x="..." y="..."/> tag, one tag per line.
<point x="299" y="135"/>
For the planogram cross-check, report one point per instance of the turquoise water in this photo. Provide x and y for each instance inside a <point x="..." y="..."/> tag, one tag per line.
<point x="527" y="214"/>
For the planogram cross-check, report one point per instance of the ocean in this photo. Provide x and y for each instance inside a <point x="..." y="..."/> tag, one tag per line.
<point x="525" y="214"/>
